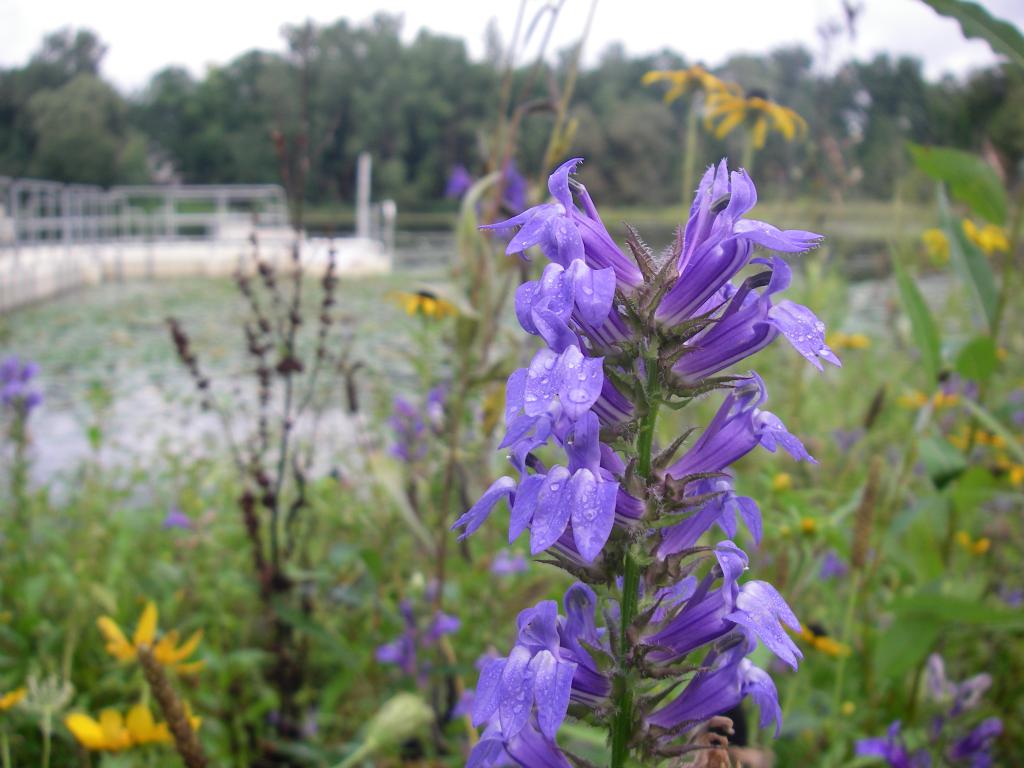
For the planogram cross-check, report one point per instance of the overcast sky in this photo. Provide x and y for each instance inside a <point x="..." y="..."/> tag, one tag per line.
<point x="144" y="37"/>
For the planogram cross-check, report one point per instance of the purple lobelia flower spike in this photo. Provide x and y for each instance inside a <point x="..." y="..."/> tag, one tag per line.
<point x="662" y="591"/>
<point x="892" y="750"/>
<point x="17" y="388"/>
<point x="459" y="182"/>
<point x="955" y="736"/>
<point x="404" y="650"/>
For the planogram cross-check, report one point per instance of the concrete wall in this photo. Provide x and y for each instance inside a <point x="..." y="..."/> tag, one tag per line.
<point x="29" y="274"/>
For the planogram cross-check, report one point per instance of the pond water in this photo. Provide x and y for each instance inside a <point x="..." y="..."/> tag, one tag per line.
<point x="112" y="341"/>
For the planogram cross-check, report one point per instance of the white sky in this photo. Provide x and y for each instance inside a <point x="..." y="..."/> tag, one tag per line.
<point x="144" y="37"/>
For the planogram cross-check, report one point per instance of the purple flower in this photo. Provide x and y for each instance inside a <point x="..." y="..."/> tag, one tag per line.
<point x="963" y="696"/>
<point x="435" y="407"/>
<point x="527" y="747"/>
<point x="718" y="242"/>
<point x="892" y="750"/>
<point x="16" y="388"/>
<point x="403" y="650"/>
<point x="621" y="337"/>
<point x="743" y="322"/>
<point x="459" y="182"/>
<point x="408" y="427"/>
<point x="506" y="563"/>
<point x="514" y="192"/>
<point x="832" y="567"/>
<point x="847" y="438"/>
<point x="175" y="518"/>
<point x="566" y="234"/>
<point x="546" y="668"/>
<point x="975" y="745"/>
<point x="1012" y="597"/>
<point x="515" y="188"/>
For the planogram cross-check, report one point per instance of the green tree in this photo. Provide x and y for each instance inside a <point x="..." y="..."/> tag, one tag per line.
<point x="82" y="134"/>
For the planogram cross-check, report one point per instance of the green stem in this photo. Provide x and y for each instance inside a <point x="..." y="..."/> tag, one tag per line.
<point x="1008" y="264"/>
<point x="47" y="728"/>
<point x="844" y="637"/>
<point x="645" y="435"/>
<point x="5" y="748"/>
<point x="622" y="726"/>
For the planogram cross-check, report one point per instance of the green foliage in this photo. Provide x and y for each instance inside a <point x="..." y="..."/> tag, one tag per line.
<point x="82" y="134"/>
<point x="922" y="324"/>
<point x="978" y="23"/>
<point x="978" y="359"/>
<point x="422" y="106"/>
<point x="970" y="263"/>
<point x="970" y="179"/>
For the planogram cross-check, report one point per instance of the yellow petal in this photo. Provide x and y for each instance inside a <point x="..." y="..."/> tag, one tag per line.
<point x="191" y="668"/>
<point x="8" y="700"/>
<point x="140" y="723"/>
<point x="173" y="655"/>
<point x="164" y="648"/>
<point x="86" y="731"/>
<point x="117" y="644"/>
<point x="729" y="123"/>
<point x="760" y="133"/>
<point x="115" y="735"/>
<point x="145" y="631"/>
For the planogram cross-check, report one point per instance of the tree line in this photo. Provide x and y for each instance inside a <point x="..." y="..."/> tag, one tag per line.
<point x="422" y="107"/>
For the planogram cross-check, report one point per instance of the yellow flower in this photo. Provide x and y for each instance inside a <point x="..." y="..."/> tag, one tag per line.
<point x="858" y="341"/>
<point x="831" y="647"/>
<point x="732" y="109"/>
<point x="114" y="732"/>
<point x="990" y="238"/>
<point x="143" y="729"/>
<point x="808" y="525"/>
<point x="782" y="482"/>
<point x="682" y="81"/>
<point x="165" y="650"/>
<point x="976" y="547"/>
<point x="913" y="399"/>
<point x="848" y="708"/>
<point x="823" y="643"/>
<point x="945" y="399"/>
<point x="11" y="698"/>
<point x="1017" y="474"/>
<point x="108" y="733"/>
<point x="936" y="245"/>
<point x="840" y="340"/>
<point x="424" y="303"/>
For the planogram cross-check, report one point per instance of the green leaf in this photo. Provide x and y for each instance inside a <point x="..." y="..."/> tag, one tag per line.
<point x="970" y="179"/>
<point x="978" y="359"/>
<point x="954" y="609"/>
<point x="907" y="641"/>
<point x="994" y="425"/>
<point x="972" y="490"/>
<point x="970" y="262"/>
<point x="978" y="23"/>
<point x="943" y="462"/>
<point x="922" y="324"/>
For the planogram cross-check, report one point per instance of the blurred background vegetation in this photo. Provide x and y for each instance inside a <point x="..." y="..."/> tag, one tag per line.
<point x="422" y="107"/>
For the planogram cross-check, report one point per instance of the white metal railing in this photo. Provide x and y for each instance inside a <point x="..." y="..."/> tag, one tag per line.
<point x="38" y="212"/>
